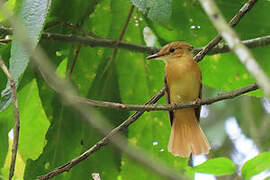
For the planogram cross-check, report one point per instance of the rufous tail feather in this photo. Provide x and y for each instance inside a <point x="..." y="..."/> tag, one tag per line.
<point x="187" y="136"/>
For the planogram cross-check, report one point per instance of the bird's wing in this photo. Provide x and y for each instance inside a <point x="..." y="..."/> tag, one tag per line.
<point x="198" y="109"/>
<point x="167" y="96"/>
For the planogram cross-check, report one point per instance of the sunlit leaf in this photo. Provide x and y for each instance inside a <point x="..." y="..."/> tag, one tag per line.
<point x="217" y="167"/>
<point x="32" y="15"/>
<point x="256" y="165"/>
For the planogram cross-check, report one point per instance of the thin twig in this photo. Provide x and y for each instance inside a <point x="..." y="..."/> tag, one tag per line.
<point x="167" y="107"/>
<point x="247" y="6"/>
<point x="124" y="29"/>
<point x="133" y="118"/>
<point x="236" y="46"/>
<point x="75" y="60"/>
<point x="16" y="129"/>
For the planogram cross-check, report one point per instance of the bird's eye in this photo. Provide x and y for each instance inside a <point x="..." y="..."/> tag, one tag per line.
<point x="172" y="50"/>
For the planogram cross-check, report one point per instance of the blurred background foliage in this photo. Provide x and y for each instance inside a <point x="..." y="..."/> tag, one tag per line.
<point x="52" y="133"/>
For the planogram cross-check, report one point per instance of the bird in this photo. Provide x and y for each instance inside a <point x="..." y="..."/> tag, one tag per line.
<point x="183" y="83"/>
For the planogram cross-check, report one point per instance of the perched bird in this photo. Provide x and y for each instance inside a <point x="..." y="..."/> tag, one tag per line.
<point x="183" y="84"/>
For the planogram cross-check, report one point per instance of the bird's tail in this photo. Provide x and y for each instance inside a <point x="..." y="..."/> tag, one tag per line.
<point x="187" y="136"/>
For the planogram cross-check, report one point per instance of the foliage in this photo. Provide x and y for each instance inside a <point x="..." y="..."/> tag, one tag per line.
<point x="216" y="166"/>
<point x="52" y="133"/>
<point x="256" y="165"/>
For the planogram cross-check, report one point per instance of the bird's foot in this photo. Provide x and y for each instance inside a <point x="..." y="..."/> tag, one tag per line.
<point x="174" y="106"/>
<point x="198" y="101"/>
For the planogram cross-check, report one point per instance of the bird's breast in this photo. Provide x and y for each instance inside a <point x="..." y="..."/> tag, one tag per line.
<point x="184" y="80"/>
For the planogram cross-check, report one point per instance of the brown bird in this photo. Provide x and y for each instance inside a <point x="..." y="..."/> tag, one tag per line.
<point x="183" y="84"/>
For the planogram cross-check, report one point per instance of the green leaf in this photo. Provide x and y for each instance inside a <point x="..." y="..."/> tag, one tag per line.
<point x="10" y="5"/>
<point x="6" y="123"/>
<point x="34" y="123"/>
<point x="32" y="15"/>
<point x="158" y="11"/>
<point x="217" y="166"/>
<point x="256" y="165"/>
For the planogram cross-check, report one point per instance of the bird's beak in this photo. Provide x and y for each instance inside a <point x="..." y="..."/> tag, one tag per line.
<point x="153" y="56"/>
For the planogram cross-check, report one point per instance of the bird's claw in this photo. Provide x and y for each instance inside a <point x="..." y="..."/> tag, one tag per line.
<point x="174" y="105"/>
<point x="198" y="101"/>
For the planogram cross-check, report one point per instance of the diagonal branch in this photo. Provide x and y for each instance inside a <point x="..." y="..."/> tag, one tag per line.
<point x="247" y="6"/>
<point x="102" y="142"/>
<point x="167" y="107"/>
<point x="236" y="46"/>
<point x="250" y="43"/>
<point x="16" y="129"/>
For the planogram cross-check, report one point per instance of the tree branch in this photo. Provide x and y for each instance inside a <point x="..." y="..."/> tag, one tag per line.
<point x="100" y="42"/>
<point x="251" y="43"/>
<point x="102" y="142"/>
<point x="236" y="45"/>
<point x="247" y="6"/>
<point x="16" y="129"/>
<point x="166" y="107"/>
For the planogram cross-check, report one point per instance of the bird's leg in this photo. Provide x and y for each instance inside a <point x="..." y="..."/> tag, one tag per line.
<point x="174" y="105"/>
<point x="198" y="100"/>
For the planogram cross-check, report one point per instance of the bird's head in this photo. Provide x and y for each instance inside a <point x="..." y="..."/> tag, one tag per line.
<point x="172" y="51"/>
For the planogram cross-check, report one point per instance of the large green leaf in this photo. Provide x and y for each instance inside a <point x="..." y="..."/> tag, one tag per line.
<point x="32" y="15"/>
<point x="34" y="123"/>
<point x="158" y="11"/>
<point x="256" y="165"/>
<point x="33" y="126"/>
<point x="217" y="167"/>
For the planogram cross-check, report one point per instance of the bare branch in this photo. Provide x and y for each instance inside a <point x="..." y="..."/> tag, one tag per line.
<point x="251" y="43"/>
<point x="167" y="107"/>
<point x="236" y="45"/>
<point x="101" y="42"/>
<point x="233" y="22"/>
<point x="16" y="129"/>
<point x="74" y="60"/>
